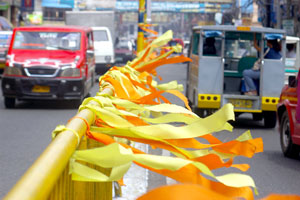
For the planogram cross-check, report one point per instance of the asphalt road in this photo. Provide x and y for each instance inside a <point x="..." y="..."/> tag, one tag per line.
<point x="26" y="131"/>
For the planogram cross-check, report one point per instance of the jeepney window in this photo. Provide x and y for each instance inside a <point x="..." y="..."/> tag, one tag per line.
<point x="212" y="46"/>
<point x="238" y="45"/>
<point x="195" y="43"/>
<point x="290" y="50"/>
<point x="47" y="40"/>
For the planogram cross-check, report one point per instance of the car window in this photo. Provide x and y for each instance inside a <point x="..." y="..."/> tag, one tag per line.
<point x="100" y="35"/>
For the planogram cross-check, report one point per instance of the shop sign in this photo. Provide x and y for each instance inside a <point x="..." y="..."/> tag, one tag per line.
<point x="27" y="5"/>
<point x="4" y="6"/>
<point x="288" y="26"/>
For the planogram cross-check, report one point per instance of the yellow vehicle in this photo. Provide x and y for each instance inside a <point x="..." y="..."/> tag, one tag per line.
<point x="215" y="75"/>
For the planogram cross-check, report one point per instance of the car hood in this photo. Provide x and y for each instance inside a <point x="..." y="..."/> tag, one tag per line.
<point x="44" y="57"/>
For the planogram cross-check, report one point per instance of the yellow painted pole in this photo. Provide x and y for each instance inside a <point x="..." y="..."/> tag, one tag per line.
<point x="40" y="178"/>
<point x="140" y="37"/>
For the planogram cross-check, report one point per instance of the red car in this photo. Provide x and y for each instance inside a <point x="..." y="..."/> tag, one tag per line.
<point x="46" y="63"/>
<point x="288" y="111"/>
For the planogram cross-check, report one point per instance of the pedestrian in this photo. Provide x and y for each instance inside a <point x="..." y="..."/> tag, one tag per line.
<point x="250" y="75"/>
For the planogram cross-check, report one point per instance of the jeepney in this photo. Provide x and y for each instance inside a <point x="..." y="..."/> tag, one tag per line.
<point x="215" y="79"/>
<point x="292" y="61"/>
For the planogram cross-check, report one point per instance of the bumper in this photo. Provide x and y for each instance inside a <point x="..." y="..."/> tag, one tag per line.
<point x="101" y="68"/>
<point x="2" y="65"/>
<point x="123" y="58"/>
<point x="23" y="88"/>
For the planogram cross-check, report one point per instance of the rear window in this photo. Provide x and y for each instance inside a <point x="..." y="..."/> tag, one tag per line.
<point x="100" y="35"/>
<point x="195" y="43"/>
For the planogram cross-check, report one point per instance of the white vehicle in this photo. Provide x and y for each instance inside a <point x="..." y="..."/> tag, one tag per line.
<point x="292" y="61"/>
<point x="103" y="49"/>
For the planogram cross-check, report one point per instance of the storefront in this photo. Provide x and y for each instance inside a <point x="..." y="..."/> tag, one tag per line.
<point x="10" y="9"/>
<point x="54" y="10"/>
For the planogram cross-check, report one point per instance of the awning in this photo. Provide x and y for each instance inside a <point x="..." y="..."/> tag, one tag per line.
<point x="273" y="36"/>
<point x="212" y="34"/>
<point x="57" y="4"/>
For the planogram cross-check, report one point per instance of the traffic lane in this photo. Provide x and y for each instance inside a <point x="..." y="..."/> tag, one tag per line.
<point x="271" y="171"/>
<point x="26" y="132"/>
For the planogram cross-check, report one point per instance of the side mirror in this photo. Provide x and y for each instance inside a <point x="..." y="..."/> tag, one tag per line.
<point x="292" y="81"/>
<point x="90" y="53"/>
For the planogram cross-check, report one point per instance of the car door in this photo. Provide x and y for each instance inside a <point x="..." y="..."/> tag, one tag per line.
<point x="90" y="58"/>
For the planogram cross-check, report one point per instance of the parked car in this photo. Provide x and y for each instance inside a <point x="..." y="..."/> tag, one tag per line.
<point x="46" y="63"/>
<point x="5" y="25"/>
<point x="289" y="117"/>
<point x="124" y="50"/>
<point x="104" y="49"/>
<point x="5" y="37"/>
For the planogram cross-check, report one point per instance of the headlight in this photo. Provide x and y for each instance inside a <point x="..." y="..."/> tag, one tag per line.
<point x="12" y="71"/>
<point x="107" y="58"/>
<point x="70" y="72"/>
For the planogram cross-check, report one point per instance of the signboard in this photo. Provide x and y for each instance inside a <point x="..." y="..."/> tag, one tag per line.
<point x="174" y="7"/>
<point x="27" y="5"/>
<point x="288" y="25"/>
<point x="100" y="4"/>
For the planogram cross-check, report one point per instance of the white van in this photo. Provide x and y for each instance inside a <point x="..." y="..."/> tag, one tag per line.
<point x="103" y="49"/>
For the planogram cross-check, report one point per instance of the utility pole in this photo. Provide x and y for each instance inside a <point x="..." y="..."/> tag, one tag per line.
<point x="141" y="18"/>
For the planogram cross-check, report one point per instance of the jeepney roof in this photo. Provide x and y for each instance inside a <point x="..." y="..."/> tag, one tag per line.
<point x="53" y="28"/>
<point x="291" y="39"/>
<point x="239" y="28"/>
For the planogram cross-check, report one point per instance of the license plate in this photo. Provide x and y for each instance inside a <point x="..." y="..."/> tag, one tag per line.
<point x="241" y="103"/>
<point x="41" y="89"/>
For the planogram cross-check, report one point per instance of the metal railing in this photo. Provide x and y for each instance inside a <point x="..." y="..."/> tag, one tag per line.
<point x="48" y="177"/>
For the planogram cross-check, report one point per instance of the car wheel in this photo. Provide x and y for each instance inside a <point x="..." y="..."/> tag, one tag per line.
<point x="9" y="102"/>
<point x="288" y="148"/>
<point x="257" y="116"/>
<point x="269" y="119"/>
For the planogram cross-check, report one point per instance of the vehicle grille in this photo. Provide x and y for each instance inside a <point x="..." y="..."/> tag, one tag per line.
<point x="41" y="71"/>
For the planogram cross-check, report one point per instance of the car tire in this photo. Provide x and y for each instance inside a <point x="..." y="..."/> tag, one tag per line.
<point x="288" y="148"/>
<point x="9" y="102"/>
<point x="201" y="112"/>
<point x="269" y="119"/>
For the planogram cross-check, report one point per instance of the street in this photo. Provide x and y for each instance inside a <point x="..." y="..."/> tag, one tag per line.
<point x="26" y="132"/>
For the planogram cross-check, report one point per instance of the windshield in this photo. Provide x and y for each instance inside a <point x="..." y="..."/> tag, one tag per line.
<point x="100" y="36"/>
<point x="47" y="40"/>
